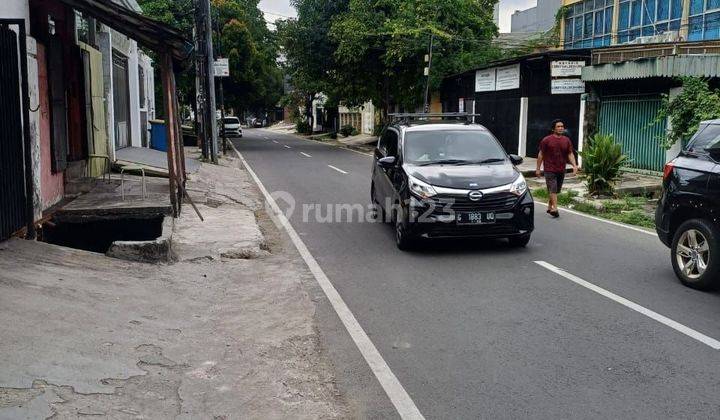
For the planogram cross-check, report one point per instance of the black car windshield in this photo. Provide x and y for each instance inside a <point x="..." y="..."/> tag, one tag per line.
<point x="230" y="120"/>
<point x="452" y="147"/>
<point x="706" y="139"/>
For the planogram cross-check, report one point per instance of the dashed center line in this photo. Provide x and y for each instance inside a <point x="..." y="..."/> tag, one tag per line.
<point x="305" y="154"/>
<point x="337" y="169"/>
<point x="275" y="141"/>
<point x="287" y="147"/>
<point x="715" y="344"/>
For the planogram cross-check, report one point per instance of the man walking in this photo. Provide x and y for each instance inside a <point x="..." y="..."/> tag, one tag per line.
<point x="556" y="150"/>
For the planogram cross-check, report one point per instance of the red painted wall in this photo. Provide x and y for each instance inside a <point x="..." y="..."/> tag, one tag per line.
<point x="51" y="185"/>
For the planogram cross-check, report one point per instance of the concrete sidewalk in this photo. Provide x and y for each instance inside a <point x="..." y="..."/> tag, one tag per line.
<point x="226" y="332"/>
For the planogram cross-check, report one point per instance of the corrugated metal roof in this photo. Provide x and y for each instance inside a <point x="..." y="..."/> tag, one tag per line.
<point x="669" y="66"/>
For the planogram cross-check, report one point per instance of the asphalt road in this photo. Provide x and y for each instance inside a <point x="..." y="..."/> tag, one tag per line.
<point x="475" y="329"/>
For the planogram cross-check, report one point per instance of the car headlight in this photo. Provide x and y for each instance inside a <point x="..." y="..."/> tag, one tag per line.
<point x="420" y="189"/>
<point x="519" y="186"/>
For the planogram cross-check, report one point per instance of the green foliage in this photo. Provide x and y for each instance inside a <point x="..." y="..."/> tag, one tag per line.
<point x="545" y="41"/>
<point x="242" y="36"/>
<point x="378" y="129"/>
<point x="239" y="34"/>
<point x="696" y="103"/>
<point x="564" y="198"/>
<point x="381" y="45"/>
<point x="602" y="160"/>
<point x="303" y="127"/>
<point x="347" y="130"/>
<point x="354" y="132"/>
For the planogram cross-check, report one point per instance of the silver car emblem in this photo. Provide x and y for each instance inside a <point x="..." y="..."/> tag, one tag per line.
<point x="475" y="195"/>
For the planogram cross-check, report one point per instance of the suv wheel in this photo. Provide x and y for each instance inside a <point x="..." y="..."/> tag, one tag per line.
<point x="696" y="254"/>
<point x="519" y="241"/>
<point x="403" y="239"/>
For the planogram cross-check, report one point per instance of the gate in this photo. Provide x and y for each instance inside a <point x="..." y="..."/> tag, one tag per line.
<point x="632" y="121"/>
<point x="543" y="110"/>
<point x="13" y="204"/>
<point x="500" y="116"/>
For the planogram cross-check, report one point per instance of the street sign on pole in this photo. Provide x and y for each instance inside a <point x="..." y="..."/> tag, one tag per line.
<point x="222" y="67"/>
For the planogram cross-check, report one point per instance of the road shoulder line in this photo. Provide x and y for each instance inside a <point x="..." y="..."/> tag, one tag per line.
<point x="600" y="219"/>
<point x="715" y="344"/>
<point x="397" y="394"/>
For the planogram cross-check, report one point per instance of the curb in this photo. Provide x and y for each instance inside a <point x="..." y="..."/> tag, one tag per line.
<point x="158" y="250"/>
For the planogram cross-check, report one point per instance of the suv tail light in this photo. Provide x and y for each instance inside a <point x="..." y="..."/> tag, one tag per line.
<point x="668" y="170"/>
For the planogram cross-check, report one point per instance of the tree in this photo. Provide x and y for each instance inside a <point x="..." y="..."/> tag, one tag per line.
<point x="255" y="83"/>
<point x="382" y="44"/>
<point x="179" y="15"/>
<point x="697" y="102"/>
<point x="309" y="52"/>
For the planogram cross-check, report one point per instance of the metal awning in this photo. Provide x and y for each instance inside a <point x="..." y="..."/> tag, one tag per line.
<point x="666" y="66"/>
<point x="147" y="32"/>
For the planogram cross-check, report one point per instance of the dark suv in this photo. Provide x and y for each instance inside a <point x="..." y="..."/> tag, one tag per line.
<point x="438" y="179"/>
<point x="687" y="215"/>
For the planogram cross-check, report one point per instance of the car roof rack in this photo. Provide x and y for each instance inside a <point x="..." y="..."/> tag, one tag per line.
<point x="408" y="117"/>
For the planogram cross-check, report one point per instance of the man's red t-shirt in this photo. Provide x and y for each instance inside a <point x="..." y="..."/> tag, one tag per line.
<point x="555" y="150"/>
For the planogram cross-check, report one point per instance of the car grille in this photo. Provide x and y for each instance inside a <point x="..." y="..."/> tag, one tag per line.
<point x="453" y="230"/>
<point x="490" y="202"/>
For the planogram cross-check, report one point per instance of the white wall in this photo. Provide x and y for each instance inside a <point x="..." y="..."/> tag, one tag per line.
<point x="16" y="9"/>
<point x="129" y="49"/>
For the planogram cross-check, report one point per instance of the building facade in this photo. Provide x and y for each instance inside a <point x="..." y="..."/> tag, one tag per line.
<point x="540" y="18"/>
<point x="72" y="84"/>
<point x="597" y="23"/>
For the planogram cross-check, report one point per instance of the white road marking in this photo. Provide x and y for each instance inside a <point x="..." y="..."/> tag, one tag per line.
<point x="266" y="137"/>
<point x="287" y="147"/>
<point x="399" y="397"/>
<point x="715" y="344"/>
<point x="600" y="219"/>
<point x="337" y="169"/>
<point x="275" y="141"/>
<point x="305" y="154"/>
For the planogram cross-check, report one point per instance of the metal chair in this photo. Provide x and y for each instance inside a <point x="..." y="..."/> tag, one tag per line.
<point x="122" y="179"/>
<point x="107" y="166"/>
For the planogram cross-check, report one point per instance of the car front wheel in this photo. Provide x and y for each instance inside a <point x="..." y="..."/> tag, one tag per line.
<point x="519" y="241"/>
<point x="403" y="239"/>
<point x="696" y="254"/>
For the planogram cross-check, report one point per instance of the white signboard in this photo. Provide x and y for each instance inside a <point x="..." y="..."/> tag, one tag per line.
<point x="485" y="80"/>
<point x="222" y="67"/>
<point x="566" y="86"/>
<point x="508" y="77"/>
<point x="566" y="68"/>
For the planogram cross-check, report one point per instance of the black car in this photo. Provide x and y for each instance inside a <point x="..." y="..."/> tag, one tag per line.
<point x="448" y="179"/>
<point x="687" y="217"/>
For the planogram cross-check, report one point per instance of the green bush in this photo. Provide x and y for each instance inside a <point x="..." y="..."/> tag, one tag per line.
<point x="354" y="132"/>
<point x="378" y="129"/>
<point x="303" y="127"/>
<point x="602" y="160"/>
<point x="333" y="135"/>
<point x="347" y="130"/>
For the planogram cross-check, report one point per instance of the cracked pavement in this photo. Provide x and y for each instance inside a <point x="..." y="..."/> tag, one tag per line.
<point x="232" y="335"/>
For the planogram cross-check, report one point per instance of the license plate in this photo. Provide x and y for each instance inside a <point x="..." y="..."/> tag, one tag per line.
<point x="475" y="218"/>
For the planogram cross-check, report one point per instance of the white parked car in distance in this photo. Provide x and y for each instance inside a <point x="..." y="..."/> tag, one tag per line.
<point x="232" y="127"/>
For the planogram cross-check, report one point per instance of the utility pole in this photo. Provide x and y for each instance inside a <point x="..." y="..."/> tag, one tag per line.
<point x="428" y="59"/>
<point x="206" y="78"/>
<point x="218" y="34"/>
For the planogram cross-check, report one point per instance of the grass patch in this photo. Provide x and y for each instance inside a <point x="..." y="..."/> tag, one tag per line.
<point x="564" y="198"/>
<point x="628" y="210"/>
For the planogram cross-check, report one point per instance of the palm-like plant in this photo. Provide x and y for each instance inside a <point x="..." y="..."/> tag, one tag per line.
<point x="602" y="160"/>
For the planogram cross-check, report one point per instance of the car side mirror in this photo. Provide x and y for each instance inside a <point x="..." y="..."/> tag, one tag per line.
<point x="516" y="160"/>
<point x="387" y="162"/>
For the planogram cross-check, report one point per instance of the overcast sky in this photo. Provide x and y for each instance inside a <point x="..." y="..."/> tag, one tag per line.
<point x="279" y="8"/>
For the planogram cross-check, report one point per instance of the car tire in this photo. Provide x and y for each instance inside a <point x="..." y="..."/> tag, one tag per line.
<point x="519" y="241"/>
<point x="687" y="254"/>
<point x="403" y="239"/>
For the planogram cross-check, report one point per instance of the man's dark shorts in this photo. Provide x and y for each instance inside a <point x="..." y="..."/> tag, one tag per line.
<point x="554" y="181"/>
